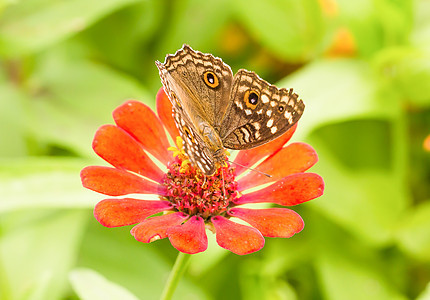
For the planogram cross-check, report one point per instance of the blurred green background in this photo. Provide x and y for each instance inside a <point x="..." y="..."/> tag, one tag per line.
<point x="363" y="69"/>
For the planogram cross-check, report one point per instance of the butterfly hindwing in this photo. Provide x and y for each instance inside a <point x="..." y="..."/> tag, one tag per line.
<point x="258" y="113"/>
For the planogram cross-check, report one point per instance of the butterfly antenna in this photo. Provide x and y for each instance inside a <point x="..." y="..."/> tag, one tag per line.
<point x="252" y="169"/>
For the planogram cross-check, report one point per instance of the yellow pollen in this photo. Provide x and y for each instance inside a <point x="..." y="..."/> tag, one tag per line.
<point x="184" y="166"/>
<point x="179" y="142"/>
<point x="179" y="149"/>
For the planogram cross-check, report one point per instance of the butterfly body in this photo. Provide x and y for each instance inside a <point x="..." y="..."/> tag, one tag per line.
<point x="214" y="110"/>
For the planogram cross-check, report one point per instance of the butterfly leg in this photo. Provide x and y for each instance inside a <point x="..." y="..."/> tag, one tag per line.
<point x="223" y="183"/>
<point x="204" y="181"/>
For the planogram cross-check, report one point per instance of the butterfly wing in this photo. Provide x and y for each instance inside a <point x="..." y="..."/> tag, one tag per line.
<point x="258" y="113"/>
<point x="194" y="146"/>
<point x="198" y="86"/>
<point x="199" y="83"/>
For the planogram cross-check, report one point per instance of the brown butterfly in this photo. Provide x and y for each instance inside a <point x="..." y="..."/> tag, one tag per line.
<point x="214" y="110"/>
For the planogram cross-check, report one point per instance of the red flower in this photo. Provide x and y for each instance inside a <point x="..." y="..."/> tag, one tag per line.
<point x="189" y="201"/>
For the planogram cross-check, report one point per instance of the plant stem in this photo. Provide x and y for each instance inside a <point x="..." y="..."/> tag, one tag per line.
<point x="178" y="270"/>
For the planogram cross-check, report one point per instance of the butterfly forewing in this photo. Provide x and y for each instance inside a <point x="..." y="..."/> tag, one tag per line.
<point x="258" y="113"/>
<point x="194" y="146"/>
<point x="201" y="83"/>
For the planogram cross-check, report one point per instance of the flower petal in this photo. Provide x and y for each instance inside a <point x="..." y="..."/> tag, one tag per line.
<point x="291" y="190"/>
<point x="237" y="238"/>
<point x="271" y="222"/>
<point x="247" y="158"/>
<point x="155" y="228"/>
<point x="116" y="182"/>
<point x="127" y="211"/>
<point x="189" y="237"/>
<point x="294" y="158"/>
<point x="164" y="110"/>
<point x="138" y="120"/>
<point x="122" y="151"/>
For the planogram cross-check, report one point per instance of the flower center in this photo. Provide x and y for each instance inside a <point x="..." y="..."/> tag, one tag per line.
<point x="193" y="193"/>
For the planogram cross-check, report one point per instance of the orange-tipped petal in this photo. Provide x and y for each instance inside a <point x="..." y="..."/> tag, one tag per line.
<point x="237" y="238"/>
<point x="122" y="151"/>
<point x="127" y="211"/>
<point x="156" y="228"/>
<point x="271" y="222"/>
<point x="249" y="157"/>
<point x="164" y="110"/>
<point x="294" y="158"/>
<point x="291" y="190"/>
<point x="116" y="182"/>
<point x="189" y="237"/>
<point x="138" y="120"/>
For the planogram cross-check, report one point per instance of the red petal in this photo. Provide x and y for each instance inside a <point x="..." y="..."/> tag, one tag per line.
<point x="249" y="157"/>
<point x="127" y="211"/>
<point x="116" y="182"/>
<point x="138" y="120"/>
<point x="189" y="237"/>
<point x="291" y="190"/>
<point x="156" y="228"/>
<point x="164" y="110"/>
<point x="122" y="151"/>
<point x="271" y="222"/>
<point x="237" y="238"/>
<point x="294" y="158"/>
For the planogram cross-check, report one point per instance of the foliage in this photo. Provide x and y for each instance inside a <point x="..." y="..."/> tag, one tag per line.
<point x="361" y="67"/>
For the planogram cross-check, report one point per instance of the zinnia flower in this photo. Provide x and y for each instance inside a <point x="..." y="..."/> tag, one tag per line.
<point x="190" y="202"/>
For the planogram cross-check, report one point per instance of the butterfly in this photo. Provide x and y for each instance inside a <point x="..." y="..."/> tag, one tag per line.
<point x="214" y="110"/>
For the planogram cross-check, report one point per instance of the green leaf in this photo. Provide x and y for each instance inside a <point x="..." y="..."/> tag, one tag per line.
<point x="130" y="50"/>
<point x="425" y="295"/>
<point x="12" y="119"/>
<point x="376" y="24"/>
<point x="413" y="233"/>
<point x="413" y="75"/>
<point x="420" y="35"/>
<point x="138" y="267"/>
<point x="361" y="19"/>
<point x="293" y="30"/>
<point x="367" y="201"/>
<point x="338" y="90"/>
<point x="75" y="98"/>
<point x="43" y="182"/>
<point x="257" y="285"/>
<point x="199" y="31"/>
<point x="395" y="19"/>
<point x="347" y="268"/>
<point x="345" y="278"/>
<point x="406" y="71"/>
<point x="208" y="260"/>
<point x="33" y="25"/>
<point x="90" y="285"/>
<point x="37" y="257"/>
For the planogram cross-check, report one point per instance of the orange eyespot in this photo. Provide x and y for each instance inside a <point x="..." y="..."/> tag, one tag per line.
<point x="210" y="79"/>
<point x="251" y="99"/>
<point x="176" y="99"/>
<point x="188" y="133"/>
<point x="281" y="108"/>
